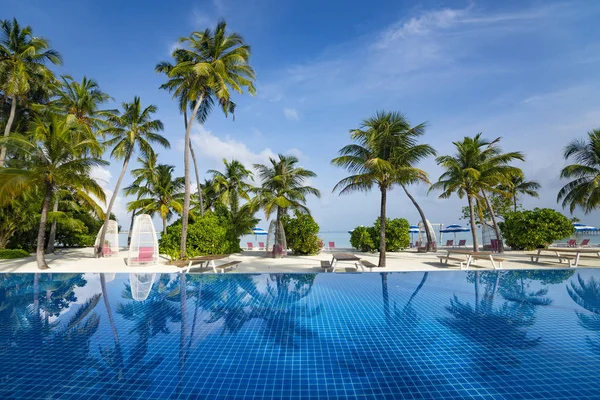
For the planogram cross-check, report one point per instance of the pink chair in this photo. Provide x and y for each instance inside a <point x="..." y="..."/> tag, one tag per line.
<point x="146" y="254"/>
<point x="462" y="243"/>
<point x="494" y="245"/>
<point x="449" y="243"/>
<point x="572" y="243"/>
<point x="584" y="243"/>
<point x="261" y="245"/>
<point x="331" y="245"/>
<point x="250" y="246"/>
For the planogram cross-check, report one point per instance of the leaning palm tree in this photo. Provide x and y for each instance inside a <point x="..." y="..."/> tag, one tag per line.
<point x="131" y="129"/>
<point x="384" y="155"/>
<point x="22" y="59"/>
<point x="163" y="195"/>
<point x="57" y="154"/>
<point x="518" y="185"/>
<point x="220" y="62"/>
<point x="231" y="185"/>
<point x="283" y="187"/>
<point x="583" y="190"/>
<point x="477" y="168"/>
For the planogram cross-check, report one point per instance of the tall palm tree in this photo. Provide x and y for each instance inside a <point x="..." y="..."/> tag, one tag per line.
<point x="283" y="187"/>
<point x="163" y="195"/>
<point x="231" y="185"/>
<point x="22" y="59"/>
<point x="518" y="185"/>
<point x="220" y="62"/>
<point x="477" y="168"/>
<point x="384" y="155"/>
<point x="56" y="157"/>
<point x="583" y="191"/>
<point x="132" y="128"/>
<point x="143" y="176"/>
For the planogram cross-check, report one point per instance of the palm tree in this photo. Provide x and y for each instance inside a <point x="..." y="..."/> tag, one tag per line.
<point x="583" y="190"/>
<point x="22" y="59"/>
<point x="518" y="185"/>
<point x="131" y="129"/>
<point x="220" y="62"/>
<point x="282" y="187"/>
<point x="384" y="154"/>
<point x="143" y="176"/>
<point x="478" y="166"/>
<point x="59" y="155"/>
<point x="163" y="195"/>
<point x="230" y="185"/>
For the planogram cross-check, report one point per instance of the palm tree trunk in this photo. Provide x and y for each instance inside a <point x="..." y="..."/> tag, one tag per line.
<point x="386" y="297"/>
<point x="198" y="187"/>
<point x="131" y="227"/>
<point x="164" y="220"/>
<point x="423" y="280"/>
<point x="39" y="251"/>
<point x="472" y="221"/>
<point x="100" y="249"/>
<point x="431" y="246"/>
<point x="11" y="118"/>
<point x="186" y="161"/>
<point x="496" y="227"/>
<point x="111" y="320"/>
<point x="382" y="221"/>
<point x="277" y="252"/>
<point x="52" y="236"/>
<point x="515" y="200"/>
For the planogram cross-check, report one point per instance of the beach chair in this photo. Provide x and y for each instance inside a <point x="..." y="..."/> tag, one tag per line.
<point x="494" y="245"/>
<point x="250" y="246"/>
<point x="261" y="245"/>
<point x="449" y="243"/>
<point x="572" y="243"/>
<point x="585" y="243"/>
<point x="331" y="245"/>
<point x="462" y="243"/>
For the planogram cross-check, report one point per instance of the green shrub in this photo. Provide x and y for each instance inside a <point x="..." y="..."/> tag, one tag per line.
<point x="361" y="239"/>
<point x="8" y="254"/>
<point x="301" y="234"/>
<point x="206" y="235"/>
<point x="531" y="229"/>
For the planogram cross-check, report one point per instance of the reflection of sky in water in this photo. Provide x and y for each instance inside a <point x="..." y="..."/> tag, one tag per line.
<point x="299" y="335"/>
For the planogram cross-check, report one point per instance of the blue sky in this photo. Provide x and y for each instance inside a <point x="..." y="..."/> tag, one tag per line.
<point x="524" y="70"/>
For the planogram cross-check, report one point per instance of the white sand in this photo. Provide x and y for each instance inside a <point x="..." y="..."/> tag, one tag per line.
<point x="82" y="260"/>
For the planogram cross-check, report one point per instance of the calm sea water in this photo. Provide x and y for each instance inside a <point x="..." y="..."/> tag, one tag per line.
<point x="498" y="335"/>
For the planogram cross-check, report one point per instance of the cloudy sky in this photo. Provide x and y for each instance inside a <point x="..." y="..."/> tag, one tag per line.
<point x="524" y="70"/>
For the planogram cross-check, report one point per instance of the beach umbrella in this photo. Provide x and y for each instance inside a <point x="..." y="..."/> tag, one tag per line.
<point x="413" y="229"/>
<point x="454" y="228"/>
<point x="259" y="231"/>
<point x="583" y="228"/>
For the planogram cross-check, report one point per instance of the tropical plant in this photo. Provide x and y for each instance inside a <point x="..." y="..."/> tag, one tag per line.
<point x="239" y="223"/>
<point x="7" y="254"/>
<point x="231" y="186"/>
<point x="361" y="238"/>
<point x="476" y="169"/>
<point x="396" y="234"/>
<point x="582" y="191"/>
<point x="58" y="154"/>
<point x="535" y="228"/>
<point x="301" y="234"/>
<point x="384" y="155"/>
<point x="22" y="59"/>
<point x="219" y="61"/>
<point x="283" y="188"/>
<point x="132" y="128"/>
<point x="163" y="195"/>
<point x="518" y="185"/>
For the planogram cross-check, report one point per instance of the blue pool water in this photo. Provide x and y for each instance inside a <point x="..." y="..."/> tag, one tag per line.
<point x="502" y="334"/>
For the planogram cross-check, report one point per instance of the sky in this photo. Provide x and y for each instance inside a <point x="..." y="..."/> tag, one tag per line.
<point x="526" y="71"/>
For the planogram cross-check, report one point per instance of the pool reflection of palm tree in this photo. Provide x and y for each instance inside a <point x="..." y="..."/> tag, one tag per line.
<point x="587" y="295"/>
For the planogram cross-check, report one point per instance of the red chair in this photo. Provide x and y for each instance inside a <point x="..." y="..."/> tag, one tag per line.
<point x="331" y="245"/>
<point x="250" y="246"/>
<point x="584" y="243"/>
<point x="261" y="245"/>
<point x="572" y="243"/>
<point x="449" y="243"/>
<point x="462" y="243"/>
<point x="494" y="245"/>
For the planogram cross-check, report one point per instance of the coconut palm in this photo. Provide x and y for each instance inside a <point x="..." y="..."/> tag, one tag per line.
<point x="518" y="185"/>
<point x="162" y="195"/>
<point x="231" y="185"/>
<point x="384" y="155"/>
<point x="283" y="188"/>
<point x="582" y="191"/>
<point x="22" y="59"/>
<point x="478" y="167"/>
<point x="132" y="129"/>
<point x="220" y="62"/>
<point x="58" y="154"/>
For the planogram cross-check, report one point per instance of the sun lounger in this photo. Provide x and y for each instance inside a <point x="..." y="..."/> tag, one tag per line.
<point x="261" y="245"/>
<point x="331" y="245"/>
<point x="585" y="243"/>
<point x="572" y="243"/>
<point x="449" y="243"/>
<point x="250" y="246"/>
<point x="462" y="243"/>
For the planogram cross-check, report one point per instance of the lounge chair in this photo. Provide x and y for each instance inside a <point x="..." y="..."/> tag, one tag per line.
<point x="250" y="246"/>
<point x="585" y="243"/>
<point x="331" y="245"/>
<point x="261" y="245"/>
<point x="494" y="245"/>
<point x="449" y="243"/>
<point x="572" y="243"/>
<point x="462" y="243"/>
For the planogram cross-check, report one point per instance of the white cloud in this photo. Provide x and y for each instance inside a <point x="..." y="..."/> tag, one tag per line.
<point x="291" y="114"/>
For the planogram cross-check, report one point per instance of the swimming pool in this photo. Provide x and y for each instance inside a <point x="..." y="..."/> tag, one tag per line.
<point x="501" y="334"/>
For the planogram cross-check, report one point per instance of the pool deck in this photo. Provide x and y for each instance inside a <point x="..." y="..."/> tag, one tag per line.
<point x="82" y="260"/>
